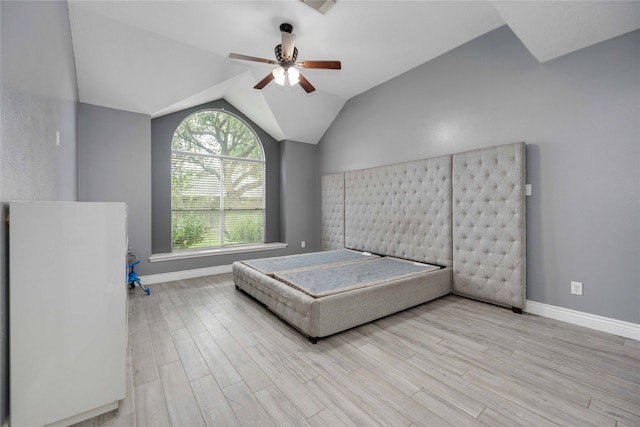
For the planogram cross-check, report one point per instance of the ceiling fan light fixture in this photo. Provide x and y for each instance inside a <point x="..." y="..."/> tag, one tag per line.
<point x="279" y="75"/>
<point x="289" y="76"/>
<point x="293" y="75"/>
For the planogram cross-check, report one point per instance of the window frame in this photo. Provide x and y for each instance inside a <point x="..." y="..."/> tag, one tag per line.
<point x="263" y="161"/>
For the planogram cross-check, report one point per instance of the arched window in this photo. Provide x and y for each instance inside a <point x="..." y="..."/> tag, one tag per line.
<point x="217" y="182"/>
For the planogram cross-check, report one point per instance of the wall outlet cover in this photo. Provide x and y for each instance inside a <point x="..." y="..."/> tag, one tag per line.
<point x="576" y="288"/>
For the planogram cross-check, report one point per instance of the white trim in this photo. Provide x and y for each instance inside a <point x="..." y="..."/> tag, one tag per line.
<point x="599" y="323"/>
<point x="185" y="274"/>
<point x="172" y="256"/>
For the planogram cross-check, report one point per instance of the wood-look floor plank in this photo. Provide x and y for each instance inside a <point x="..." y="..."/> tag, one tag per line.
<point x="237" y="330"/>
<point x="171" y="316"/>
<point x="518" y="372"/>
<point x="618" y="414"/>
<point x="444" y="411"/>
<point x="290" y="386"/>
<point x="633" y="345"/>
<point x="291" y="356"/>
<point x="190" y="319"/>
<point x="375" y="407"/>
<point x="214" y="407"/>
<point x="279" y="408"/>
<point x="246" y="406"/>
<point x="549" y="407"/>
<point x="197" y="296"/>
<point x="340" y="404"/>
<point x="163" y="347"/>
<point x="222" y="369"/>
<point x="190" y="356"/>
<point x="151" y="406"/>
<point x="492" y="418"/>
<point x="488" y="397"/>
<point x="336" y="351"/>
<point x="457" y="397"/>
<point x="175" y="292"/>
<point x="236" y="315"/>
<point x="240" y="325"/>
<point x="211" y="324"/>
<point x="253" y="376"/>
<point x="387" y="339"/>
<point x="404" y="405"/>
<point x="595" y="386"/>
<point x="389" y="365"/>
<point x="181" y="403"/>
<point x="142" y="353"/>
<point x="327" y="417"/>
<point x="446" y="361"/>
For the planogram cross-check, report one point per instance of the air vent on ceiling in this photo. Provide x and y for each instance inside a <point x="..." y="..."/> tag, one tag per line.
<point x="322" y="6"/>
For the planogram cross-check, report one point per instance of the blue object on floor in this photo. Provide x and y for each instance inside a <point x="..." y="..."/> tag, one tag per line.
<point x="134" y="279"/>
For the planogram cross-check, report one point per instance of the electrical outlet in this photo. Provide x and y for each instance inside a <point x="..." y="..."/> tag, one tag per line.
<point x="576" y="288"/>
<point x="302" y="244"/>
<point x="527" y="189"/>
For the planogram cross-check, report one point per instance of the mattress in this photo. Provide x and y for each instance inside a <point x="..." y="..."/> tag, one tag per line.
<point x="328" y="280"/>
<point x="272" y="265"/>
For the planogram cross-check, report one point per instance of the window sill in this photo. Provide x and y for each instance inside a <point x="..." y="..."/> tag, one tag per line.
<point x="191" y="253"/>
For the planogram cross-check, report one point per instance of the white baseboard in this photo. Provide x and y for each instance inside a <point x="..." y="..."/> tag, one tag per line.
<point x="599" y="323"/>
<point x="185" y="274"/>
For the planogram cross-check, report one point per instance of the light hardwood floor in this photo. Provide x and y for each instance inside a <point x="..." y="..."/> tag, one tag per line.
<point x="203" y="353"/>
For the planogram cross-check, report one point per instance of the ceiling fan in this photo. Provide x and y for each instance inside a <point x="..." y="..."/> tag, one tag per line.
<point x="286" y="71"/>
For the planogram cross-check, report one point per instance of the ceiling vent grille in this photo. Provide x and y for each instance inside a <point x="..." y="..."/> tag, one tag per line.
<point x="322" y="6"/>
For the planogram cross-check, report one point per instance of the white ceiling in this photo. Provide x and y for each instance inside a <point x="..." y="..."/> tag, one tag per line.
<point x="157" y="57"/>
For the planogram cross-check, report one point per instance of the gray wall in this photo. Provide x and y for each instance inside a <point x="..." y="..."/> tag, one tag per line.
<point x="300" y="204"/>
<point x="38" y="96"/>
<point x="114" y="166"/>
<point x="579" y="115"/>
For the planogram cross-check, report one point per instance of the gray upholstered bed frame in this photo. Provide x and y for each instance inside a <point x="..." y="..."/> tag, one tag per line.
<point x="464" y="212"/>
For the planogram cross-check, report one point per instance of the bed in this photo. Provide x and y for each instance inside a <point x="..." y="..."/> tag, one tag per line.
<point x="322" y="300"/>
<point x="401" y="235"/>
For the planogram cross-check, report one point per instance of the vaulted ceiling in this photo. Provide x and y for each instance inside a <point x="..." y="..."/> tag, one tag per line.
<point x="157" y="57"/>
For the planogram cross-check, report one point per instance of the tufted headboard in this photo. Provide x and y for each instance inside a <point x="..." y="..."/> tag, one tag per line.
<point x="401" y="210"/>
<point x="332" y="211"/>
<point x="465" y="211"/>
<point x="489" y="224"/>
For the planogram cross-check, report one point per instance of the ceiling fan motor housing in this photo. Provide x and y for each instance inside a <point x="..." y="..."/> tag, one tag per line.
<point x="284" y="61"/>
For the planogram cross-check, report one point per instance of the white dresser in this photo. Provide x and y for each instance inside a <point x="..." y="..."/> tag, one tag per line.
<point x="68" y="315"/>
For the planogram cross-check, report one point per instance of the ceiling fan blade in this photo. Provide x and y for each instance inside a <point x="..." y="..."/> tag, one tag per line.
<point x="251" y="58"/>
<point x="262" y="83"/>
<point x="308" y="87"/>
<point x="327" y="65"/>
